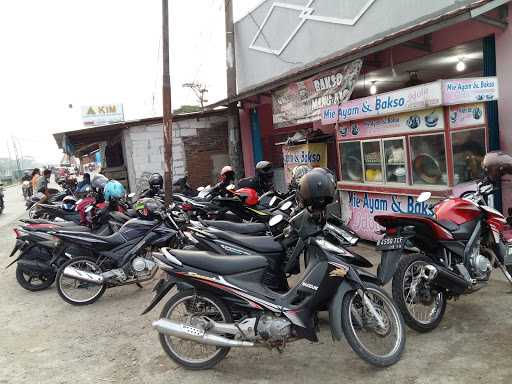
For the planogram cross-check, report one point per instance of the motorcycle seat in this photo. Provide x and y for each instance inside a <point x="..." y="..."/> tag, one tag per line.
<point x="51" y="228"/>
<point x="55" y="223"/>
<point x="241" y="228"/>
<point x="223" y="265"/>
<point x="113" y="240"/>
<point x="119" y="216"/>
<point x="259" y="244"/>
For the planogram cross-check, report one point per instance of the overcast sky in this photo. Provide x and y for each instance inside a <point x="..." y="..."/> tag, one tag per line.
<point x="60" y="52"/>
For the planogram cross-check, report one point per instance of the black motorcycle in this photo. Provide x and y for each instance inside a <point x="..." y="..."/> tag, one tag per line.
<point x="119" y="259"/>
<point x="2" y="204"/>
<point x="223" y="287"/>
<point x="41" y="255"/>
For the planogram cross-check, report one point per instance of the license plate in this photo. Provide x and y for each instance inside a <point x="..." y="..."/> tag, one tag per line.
<point x="390" y="243"/>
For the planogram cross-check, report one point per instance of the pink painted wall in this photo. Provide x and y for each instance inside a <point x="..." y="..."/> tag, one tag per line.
<point x="504" y="71"/>
<point x="246" y="136"/>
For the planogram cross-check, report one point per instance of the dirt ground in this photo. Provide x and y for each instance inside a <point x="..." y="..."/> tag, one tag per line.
<point x="45" y="340"/>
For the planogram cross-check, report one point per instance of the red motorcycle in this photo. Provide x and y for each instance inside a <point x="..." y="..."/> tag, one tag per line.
<point x="457" y="249"/>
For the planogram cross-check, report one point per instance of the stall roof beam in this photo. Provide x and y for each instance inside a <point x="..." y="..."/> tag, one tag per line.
<point x="425" y="45"/>
<point x="492" y="21"/>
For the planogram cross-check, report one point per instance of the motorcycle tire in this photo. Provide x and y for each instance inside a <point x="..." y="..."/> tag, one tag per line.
<point x="398" y="295"/>
<point x="195" y="295"/>
<point x="60" y="275"/>
<point x="25" y="279"/>
<point x="354" y="341"/>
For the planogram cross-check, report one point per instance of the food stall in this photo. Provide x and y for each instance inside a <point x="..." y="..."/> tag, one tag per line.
<point x="393" y="146"/>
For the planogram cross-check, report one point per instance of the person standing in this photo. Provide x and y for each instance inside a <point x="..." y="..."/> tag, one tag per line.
<point x="36" y="173"/>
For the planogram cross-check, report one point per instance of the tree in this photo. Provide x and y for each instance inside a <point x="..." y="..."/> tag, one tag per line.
<point x="186" y="109"/>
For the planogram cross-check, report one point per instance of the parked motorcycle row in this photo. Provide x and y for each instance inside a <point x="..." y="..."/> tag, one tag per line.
<point x="229" y="254"/>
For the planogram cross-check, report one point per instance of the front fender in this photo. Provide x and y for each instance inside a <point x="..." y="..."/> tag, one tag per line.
<point x="335" y="309"/>
<point x="388" y="264"/>
<point x="161" y="288"/>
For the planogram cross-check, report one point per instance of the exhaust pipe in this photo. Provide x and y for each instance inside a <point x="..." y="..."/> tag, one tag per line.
<point x="83" y="275"/>
<point x="187" y="332"/>
<point x="447" y="279"/>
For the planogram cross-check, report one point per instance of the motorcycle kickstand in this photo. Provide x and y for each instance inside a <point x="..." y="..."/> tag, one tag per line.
<point x="139" y="285"/>
<point x="504" y="270"/>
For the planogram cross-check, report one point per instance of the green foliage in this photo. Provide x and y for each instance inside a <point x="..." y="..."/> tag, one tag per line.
<point x="187" y="109"/>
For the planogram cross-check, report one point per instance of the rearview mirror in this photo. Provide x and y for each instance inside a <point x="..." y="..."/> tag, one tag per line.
<point x="286" y="206"/>
<point x="424" y="196"/>
<point x="272" y="201"/>
<point x="275" y="220"/>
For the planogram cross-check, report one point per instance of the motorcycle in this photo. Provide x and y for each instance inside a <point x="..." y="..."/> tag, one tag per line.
<point x="458" y="249"/>
<point x="230" y="306"/>
<point x="2" y="203"/>
<point x="41" y="254"/>
<point x="119" y="259"/>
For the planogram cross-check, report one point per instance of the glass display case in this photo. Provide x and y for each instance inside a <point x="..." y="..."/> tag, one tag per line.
<point x="394" y="146"/>
<point x="372" y="161"/>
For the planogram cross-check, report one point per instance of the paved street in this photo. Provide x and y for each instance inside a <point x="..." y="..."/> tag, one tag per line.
<point x="47" y="341"/>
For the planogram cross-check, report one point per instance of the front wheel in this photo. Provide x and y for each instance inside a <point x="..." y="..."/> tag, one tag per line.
<point x="190" y="307"/>
<point x="373" y="326"/>
<point x="79" y="292"/>
<point x="422" y="305"/>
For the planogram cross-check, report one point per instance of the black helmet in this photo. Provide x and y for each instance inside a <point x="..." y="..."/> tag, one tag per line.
<point x="148" y="208"/>
<point x="317" y="188"/>
<point x="98" y="182"/>
<point x="156" y="181"/>
<point x="264" y="169"/>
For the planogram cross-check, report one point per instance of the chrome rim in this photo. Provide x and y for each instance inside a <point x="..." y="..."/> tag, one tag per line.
<point x="380" y="339"/>
<point x="423" y="310"/>
<point x="77" y="290"/>
<point x="189" y="310"/>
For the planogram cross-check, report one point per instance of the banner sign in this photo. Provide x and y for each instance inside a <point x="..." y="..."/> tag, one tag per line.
<point x="470" y="90"/>
<point x="313" y="154"/>
<point x="301" y="102"/>
<point x="408" y="99"/>
<point x="359" y="209"/>
<point x="466" y="115"/>
<point x="102" y="114"/>
<point x="418" y="121"/>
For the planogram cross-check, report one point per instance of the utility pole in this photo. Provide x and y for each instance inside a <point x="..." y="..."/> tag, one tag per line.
<point x="9" y="161"/>
<point x="16" y="154"/>
<point x="167" y="111"/>
<point x="235" y="150"/>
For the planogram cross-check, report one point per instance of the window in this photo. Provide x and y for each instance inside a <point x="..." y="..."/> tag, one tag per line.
<point x="468" y="152"/>
<point x="428" y="159"/>
<point x="351" y="165"/>
<point x="372" y="161"/>
<point x="395" y="160"/>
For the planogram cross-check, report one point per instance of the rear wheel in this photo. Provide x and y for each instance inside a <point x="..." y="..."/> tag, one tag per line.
<point x="76" y="291"/>
<point x="34" y="281"/>
<point x="373" y="326"/>
<point x="188" y="307"/>
<point x="422" y="305"/>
